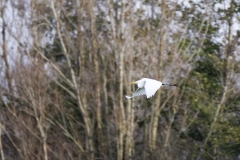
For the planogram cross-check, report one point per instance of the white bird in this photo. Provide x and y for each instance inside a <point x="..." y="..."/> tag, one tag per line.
<point x="147" y="86"/>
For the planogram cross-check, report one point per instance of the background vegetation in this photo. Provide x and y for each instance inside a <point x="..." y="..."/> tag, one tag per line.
<point x="66" y="67"/>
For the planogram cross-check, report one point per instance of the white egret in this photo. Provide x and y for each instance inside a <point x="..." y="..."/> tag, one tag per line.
<point x="147" y="86"/>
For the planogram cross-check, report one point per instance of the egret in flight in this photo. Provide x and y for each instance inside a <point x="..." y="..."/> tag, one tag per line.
<point x="147" y="86"/>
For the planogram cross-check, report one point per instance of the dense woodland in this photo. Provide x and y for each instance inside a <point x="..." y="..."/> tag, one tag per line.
<point x="66" y="66"/>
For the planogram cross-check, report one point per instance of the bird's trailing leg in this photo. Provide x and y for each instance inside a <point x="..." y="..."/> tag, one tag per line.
<point x="164" y="84"/>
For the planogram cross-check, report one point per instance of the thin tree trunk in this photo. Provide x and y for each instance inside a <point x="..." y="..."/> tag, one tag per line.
<point x="96" y="70"/>
<point x="225" y="78"/>
<point x="43" y="135"/>
<point x="121" y="109"/>
<point x="1" y="146"/>
<point x="122" y="122"/>
<point x="156" y="107"/>
<point x="4" y="48"/>
<point x="83" y="108"/>
<point x="129" y="149"/>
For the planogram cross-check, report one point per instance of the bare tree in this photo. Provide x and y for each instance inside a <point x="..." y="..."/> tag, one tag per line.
<point x="63" y="98"/>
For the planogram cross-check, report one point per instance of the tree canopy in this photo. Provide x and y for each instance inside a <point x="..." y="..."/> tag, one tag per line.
<point x="66" y="67"/>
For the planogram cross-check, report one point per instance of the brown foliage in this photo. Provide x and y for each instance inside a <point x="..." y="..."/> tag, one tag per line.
<point x="64" y="97"/>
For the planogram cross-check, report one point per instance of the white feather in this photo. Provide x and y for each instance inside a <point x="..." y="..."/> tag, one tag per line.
<point x="146" y="86"/>
<point x="151" y="86"/>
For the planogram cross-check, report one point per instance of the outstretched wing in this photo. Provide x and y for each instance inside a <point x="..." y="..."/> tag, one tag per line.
<point x="138" y="92"/>
<point x="151" y="87"/>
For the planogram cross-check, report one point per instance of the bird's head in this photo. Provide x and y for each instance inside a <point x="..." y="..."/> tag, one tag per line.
<point x="140" y="83"/>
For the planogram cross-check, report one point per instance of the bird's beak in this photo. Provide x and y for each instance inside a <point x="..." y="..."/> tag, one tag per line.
<point x="133" y="83"/>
